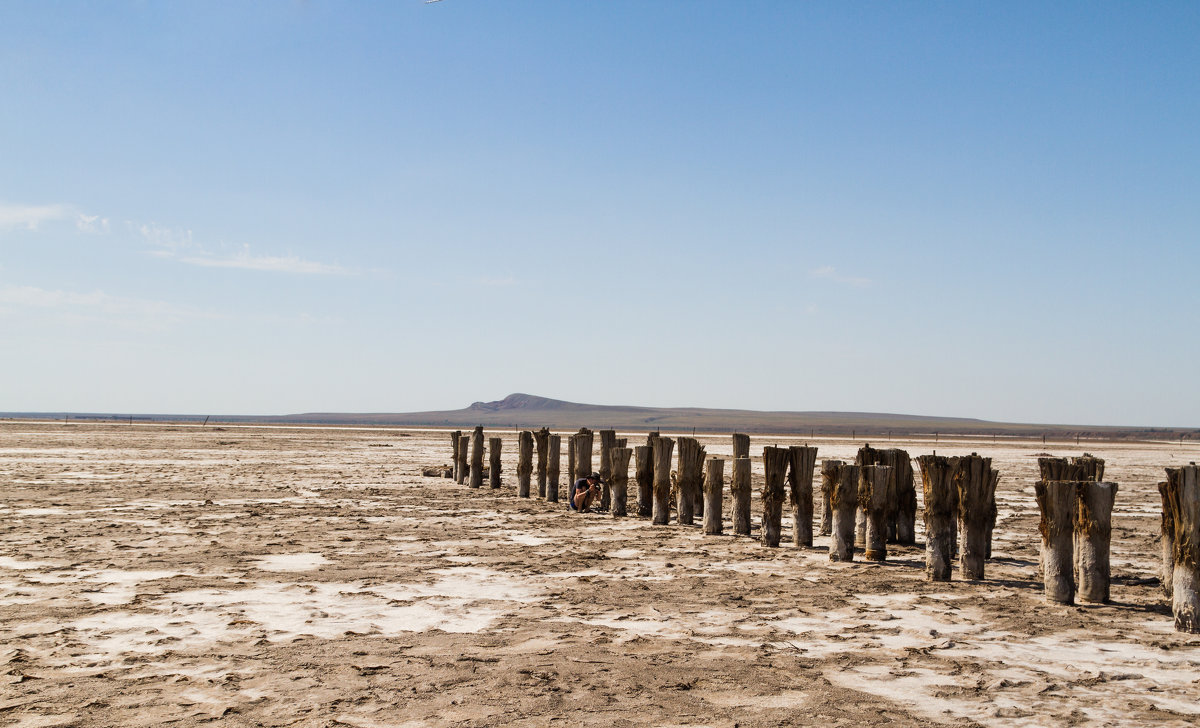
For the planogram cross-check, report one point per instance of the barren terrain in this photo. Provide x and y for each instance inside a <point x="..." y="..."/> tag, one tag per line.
<point x="280" y="576"/>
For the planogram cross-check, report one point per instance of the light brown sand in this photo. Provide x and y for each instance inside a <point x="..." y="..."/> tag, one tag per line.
<point x="174" y="575"/>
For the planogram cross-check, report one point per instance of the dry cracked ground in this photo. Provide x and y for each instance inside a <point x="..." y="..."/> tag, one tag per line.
<point x="183" y="575"/>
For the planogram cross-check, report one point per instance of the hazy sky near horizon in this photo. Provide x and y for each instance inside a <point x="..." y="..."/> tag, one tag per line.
<point x="967" y="209"/>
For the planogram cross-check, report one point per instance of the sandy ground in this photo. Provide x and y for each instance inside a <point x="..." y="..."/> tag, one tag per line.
<point x="178" y="575"/>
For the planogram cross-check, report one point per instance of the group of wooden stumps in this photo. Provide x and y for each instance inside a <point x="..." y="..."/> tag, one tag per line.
<point x="870" y="502"/>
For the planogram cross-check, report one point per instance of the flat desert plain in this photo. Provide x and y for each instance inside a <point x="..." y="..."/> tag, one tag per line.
<point x="182" y="575"/>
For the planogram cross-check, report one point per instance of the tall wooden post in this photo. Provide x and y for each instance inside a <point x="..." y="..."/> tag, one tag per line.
<point x="477" y="458"/>
<point x="618" y="470"/>
<point x="739" y="490"/>
<point x="873" y="483"/>
<point x="663" y="446"/>
<point x="801" y="462"/>
<point x="542" y="439"/>
<point x="1056" y="501"/>
<point x="941" y="521"/>
<point x="902" y="510"/>
<point x="976" y="488"/>
<point x="1166" y="542"/>
<point x="524" y="462"/>
<point x="775" y="460"/>
<point x="455" y="437"/>
<point x="464" y="447"/>
<point x="494" y="461"/>
<point x="844" y="501"/>
<point x="866" y="455"/>
<point x="644" y="473"/>
<point x="714" y="483"/>
<point x="608" y="441"/>
<point x="829" y="469"/>
<point x="571" y="451"/>
<point x="741" y="445"/>
<point x="583" y="453"/>
<point x="1093" y="533"/>
<point x="1183" y="504"/>
<point x="553" y="459"/>
<point x="691" y="462"/>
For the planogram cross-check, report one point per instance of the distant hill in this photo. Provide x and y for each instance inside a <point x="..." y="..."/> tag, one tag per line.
<point x="528" y="411"/>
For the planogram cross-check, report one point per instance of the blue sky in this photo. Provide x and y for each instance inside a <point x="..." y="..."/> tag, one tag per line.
<point x="969" y="209"/>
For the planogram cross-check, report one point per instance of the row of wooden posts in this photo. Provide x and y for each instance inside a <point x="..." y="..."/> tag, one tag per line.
<point x="869" y="502"/>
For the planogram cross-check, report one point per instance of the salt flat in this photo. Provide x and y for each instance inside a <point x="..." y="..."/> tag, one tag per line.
<point x="278" y="576"/>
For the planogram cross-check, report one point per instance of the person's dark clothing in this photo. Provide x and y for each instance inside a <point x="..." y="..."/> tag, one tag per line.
<point x="581" y="483"/>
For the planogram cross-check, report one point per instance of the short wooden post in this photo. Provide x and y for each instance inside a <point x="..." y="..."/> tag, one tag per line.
<point x="644" y="473"/>
<point x="542" y="439"/>
<point x="714" y="483"/>
<point x="663" y="446"/>
<point x="1093" y="534"/>
<point x="618" y="470"/>
<point x="741" y="445"/>
<point x="1183" y="505"/>
<point x="801" y="462"/>
<point x="976" y="487"/>
<point x="844" y="501"/>
<point x="873" y="483"/>
<point x="941" y="521"/>
<point x="1166" y="542"/>
<point x="477" y="458"/>
<point x="739" y="490"/>
<point x="608" y="441"/>
<point x="775" y="460"/>
<point x="1056" y="501"/>
<point x="1089" y="468"/>
<point x="524" y="462"/>
<point x="553" y="459"/>
<point x="455" y="437"/>
<point x="464" y="447"/>
<point x="691" y="463"/>
<point x="829" y="469"/>
<point x="494" y="461"/>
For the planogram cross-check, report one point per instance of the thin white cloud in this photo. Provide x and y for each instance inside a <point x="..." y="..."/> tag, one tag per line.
<point x="177" y="244"/>
<point x="29" y="217"/>
<point x="99" y="306"/>
<point x="830" y="273"/>
<point x="91" y="224"/>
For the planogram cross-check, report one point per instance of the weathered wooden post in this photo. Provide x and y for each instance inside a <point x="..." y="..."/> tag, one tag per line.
<point x="542" y="439"/>
<point x="494" y="461"/>
<point x="477" y="458"/>
<point x="941" y="521"/>
<point x="663" y="446"/>
<point x="524" y="462"/>
<point x="1183" y="505"/>
<point x="455" y="437"/>
<point x="714" y="484"/>
<point x="801" y="461"/>
<point x="741" y="445"/>
<point x="618" y="470"/>
<point x="1056" y="501"/>
<point x="691" y="462"/>
<point x="739" y="490"/>
<point x="464" y="447"/>
<point x="902" y="511"/>
<point x="866" y="455"/>
<point x="1089" y="467"/>
<point x="644" y="473"/>
<point x="829" y="469"/>
<point x="976" y="488"/>
<point x="873" y="483"/>
<point x="1093" y="534"/>
<point x="1166" y="542"/>
<point x="571" y="449"/>
<point x="608" y="441"/>
<point x="583" y="453"/>
<point x="775" y="460"/>
<point x="553" y="459"/>
<point x="844" y="501"/>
